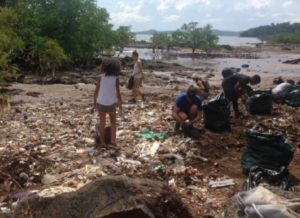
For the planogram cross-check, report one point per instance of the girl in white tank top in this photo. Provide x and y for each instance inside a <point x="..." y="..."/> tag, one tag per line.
<point x="107" y="90"/>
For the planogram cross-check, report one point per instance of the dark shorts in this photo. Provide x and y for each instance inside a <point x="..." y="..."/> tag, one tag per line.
<point x="231" y="96"/>
<point x="106" y="108"/>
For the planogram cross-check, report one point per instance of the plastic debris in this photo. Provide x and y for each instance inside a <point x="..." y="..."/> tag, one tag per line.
<point x="223" y="183"/>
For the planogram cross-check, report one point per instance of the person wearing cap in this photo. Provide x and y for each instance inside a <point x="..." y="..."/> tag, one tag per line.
<point x="236" y="86"/>
<point x="188" y="106"/>
<point x="201" y="85"/>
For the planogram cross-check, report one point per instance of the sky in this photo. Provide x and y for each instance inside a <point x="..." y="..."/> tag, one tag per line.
<point x="236" y="15"/>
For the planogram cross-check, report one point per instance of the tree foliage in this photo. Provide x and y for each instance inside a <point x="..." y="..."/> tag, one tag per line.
<point x="43" y="34"/>
<point x="162" y="40"/>
<point x="291" y="38"/>
<point x="273" y="29"/>
<point x="10" y="42"/>
<point x="79" y="26"/>
<point x="196" y="37"/>
<point x="123" y="36"/>
<point x="51" y="56"/>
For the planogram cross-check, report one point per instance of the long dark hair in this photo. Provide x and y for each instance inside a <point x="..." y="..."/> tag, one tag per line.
<point x="111" y="66"/>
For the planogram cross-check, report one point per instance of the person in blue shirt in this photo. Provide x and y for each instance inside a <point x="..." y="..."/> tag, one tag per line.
<point x="188" y="106"/>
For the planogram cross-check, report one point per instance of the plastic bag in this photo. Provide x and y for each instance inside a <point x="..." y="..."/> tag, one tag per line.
<point x="258" y="175"/>
<point x="270" y="151"/>
<point x="148" y="134"/>
<point x="217" y="113"/>
<point x="260" y="102"/>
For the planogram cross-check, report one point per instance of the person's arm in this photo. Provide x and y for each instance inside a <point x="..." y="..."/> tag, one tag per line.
<point x="140" y="67"/>
<point x="206" y="85"/>
<point x="199" y="112"/>
<point x="118" y="93"/>
<point x="97" y="91"/>
<point x="238" y="88"/>
<point x="197" y="118"/>
<point x="199" y="83"/>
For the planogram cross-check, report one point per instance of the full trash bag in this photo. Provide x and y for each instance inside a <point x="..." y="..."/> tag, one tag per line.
<point x="270" y="151"/>
<point x="260" y="102"/>
<point x="293" y="98"/>
<point x="217" y="113"/>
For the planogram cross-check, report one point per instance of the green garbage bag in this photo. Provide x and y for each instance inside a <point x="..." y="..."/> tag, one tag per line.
<point x="217" y="113"/>
<point x="293" y="98"/>
<point x="270" y="151"/>
<point x="260" y="102"/>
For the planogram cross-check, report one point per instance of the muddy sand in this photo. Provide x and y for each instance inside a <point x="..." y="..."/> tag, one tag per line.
<point x="47" y="141"/>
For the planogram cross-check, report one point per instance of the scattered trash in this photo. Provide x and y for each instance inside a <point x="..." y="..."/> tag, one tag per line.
<point x="260" y="202"/>
<point x="148" y="134"/>
<point x="223" y="183"/>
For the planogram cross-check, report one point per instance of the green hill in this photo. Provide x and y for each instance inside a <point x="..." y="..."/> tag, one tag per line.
<point x="271" y="30"/>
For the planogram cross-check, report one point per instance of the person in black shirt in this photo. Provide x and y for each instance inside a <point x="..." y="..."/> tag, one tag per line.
<point x="235" y="87"/>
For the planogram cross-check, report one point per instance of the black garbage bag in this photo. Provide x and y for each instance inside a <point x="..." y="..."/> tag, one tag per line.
<point x="217" y="113"/>
<point x="270" y="151"/>
<point x="293" y="98"/>
<point x="258" y="175"/>
<point x="260" y="102"/>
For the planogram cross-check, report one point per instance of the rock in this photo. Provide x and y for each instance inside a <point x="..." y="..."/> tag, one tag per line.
<point x="227" y="47"/>
<point x="278" y="80"/>
<point x="290" y="81"/>
<point x="48" y="179"/>
<point x="34" y="94"/>
<point x="295" y="61"/>
<point x="245" y="66"/>
<point x="110" y="197"/>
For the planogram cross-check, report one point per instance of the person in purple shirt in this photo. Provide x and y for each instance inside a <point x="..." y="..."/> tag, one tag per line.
<point x="188" y="106"/>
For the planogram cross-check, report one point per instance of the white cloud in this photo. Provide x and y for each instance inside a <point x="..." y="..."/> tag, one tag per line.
<point x="275" y="15"/>
<point x="259" y="15"/>
<point x="130" y="13"/>
<point x="179" y="5"/>
<point x="256" y="4"/>
<point x="172" y="18"/>
<point x="287" y="3"/>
